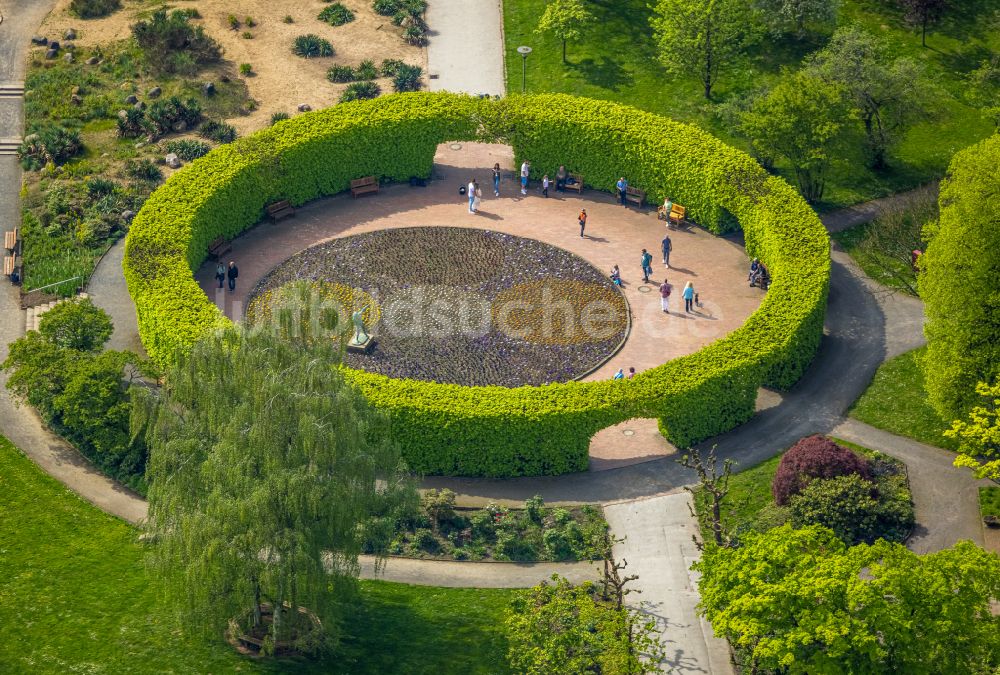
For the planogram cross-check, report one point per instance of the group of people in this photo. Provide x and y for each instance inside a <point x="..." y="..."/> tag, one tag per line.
<point x="691" y="299"/>
<point x="759" y="276"/>
<point x="222" y="273"/>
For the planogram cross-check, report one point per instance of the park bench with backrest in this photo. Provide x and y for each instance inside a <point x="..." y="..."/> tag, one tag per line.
<point x="635" y="195"/>
<point x="10" y="239"/>
<point x="280" y="210"/>
<point x="360" y="186"/>
<point x="9" y="265"/>
<point x="219" y="247"/>
<point x="574" y="181"/>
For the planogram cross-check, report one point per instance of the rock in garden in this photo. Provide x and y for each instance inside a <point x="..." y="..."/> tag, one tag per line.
<point x="68" y="57"/>
<point x="127" y="216"/>
<point x="131" y="98"/>
<point x="39" y="40"/>
<point x="154" y="92"/>
<point x="54" y="45"/>
<point x="93" y="61"/>
<point x="70" y="34"/>
<point x="69" y="46"/>
<point x="208" y="89"/>
<point x="173" y="161"/>
<point x="75" y="99"/>
<point x="304" y="107"/>
<point x="139" y="105"/>
<point x="224" y="78"/>
<point x="123" y="114"/>
<point x="180" y="126"/>
<point x="52" y="53"/>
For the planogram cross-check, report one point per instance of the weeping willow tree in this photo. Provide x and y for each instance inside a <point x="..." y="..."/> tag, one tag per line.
<point x="268" y="473"/>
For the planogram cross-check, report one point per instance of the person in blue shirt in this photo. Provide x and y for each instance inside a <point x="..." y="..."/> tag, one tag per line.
<point x="688" y="296"/>
<point x="647" y="265"/>
<point x="666" y="246"/>
<point x="622" y="186"/>
<point x="620" y="375"/>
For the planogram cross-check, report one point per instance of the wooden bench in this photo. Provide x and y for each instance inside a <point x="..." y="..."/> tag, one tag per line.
<point x="219" y="247"/>
<point x="635" y="195"/>
<point x="9" y="265"/>
<point x="577" y="183"/>
<point x="10" y="239"/>
<point x="676" y="215"/>
<point x="361" y="186"/>
<point x="280" y="210"/>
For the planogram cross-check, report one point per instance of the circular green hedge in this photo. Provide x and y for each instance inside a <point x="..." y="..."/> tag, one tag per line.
<point x="495" y="431"/>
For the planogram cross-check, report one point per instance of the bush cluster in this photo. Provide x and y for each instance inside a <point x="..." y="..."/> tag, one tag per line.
<point x="188" y="149"/>
<point x="536" y="532"/>
<point x="357" y="91"/>
<point x="171" y="44"/>
<point x="220" y="132"/>
<point x="163" y="115"/>
<point x="494" y="431"/>
<point x="92" y="9"/>
<point x="310" y="46"/>
<point x="814" y="457"/>
<point x="408" y="14"/>
<point x="49" y="144"/>
<point x="80" y="391"/>
<point x="336" y="14"/>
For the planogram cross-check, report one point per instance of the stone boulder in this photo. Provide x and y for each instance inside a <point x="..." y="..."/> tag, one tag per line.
<point x="208" y="89"/>
<point x="131" y="98"/>
<point x="304" y="107"/>
<point x="68" y="57"/>
<point x="52" y="53"/>
<point x="70" y="34"/>
<point x="154" y="92"/>
<point x="93" y="61"/>
<point x="172" y="160"/>
<point x="39" y="40"/>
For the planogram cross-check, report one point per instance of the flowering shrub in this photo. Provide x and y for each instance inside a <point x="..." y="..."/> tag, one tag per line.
<point x="496" y="431"/>
<point x="814" y="457"/>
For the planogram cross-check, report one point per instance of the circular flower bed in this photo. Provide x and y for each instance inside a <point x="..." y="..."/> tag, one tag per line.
<point x="461" y="306"/>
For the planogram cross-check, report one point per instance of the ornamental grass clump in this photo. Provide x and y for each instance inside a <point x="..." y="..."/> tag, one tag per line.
<point x="814" y="457"/>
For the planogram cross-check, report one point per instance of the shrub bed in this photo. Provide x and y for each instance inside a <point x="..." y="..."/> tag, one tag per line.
<point x="496" y="431"/>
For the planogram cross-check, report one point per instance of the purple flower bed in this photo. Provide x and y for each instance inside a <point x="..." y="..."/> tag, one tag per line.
<point x="469" y="306"/>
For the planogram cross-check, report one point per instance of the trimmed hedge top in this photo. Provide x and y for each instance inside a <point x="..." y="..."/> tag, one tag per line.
<point x="495" y="431"/>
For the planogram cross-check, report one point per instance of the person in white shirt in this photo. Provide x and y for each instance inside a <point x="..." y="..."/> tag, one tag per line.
<point x="525" y="171"/>
<point x="470" y="192"/>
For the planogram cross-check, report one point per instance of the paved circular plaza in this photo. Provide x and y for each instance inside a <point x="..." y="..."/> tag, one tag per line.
<point x="614" y="236"/>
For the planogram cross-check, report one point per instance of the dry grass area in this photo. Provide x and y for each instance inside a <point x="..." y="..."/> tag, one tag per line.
<point x="280" y="81"/>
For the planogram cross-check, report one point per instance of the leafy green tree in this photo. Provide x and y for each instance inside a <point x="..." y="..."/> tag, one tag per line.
<point x="984" y="88"/>
<point x="76" y="324"/>
<point x="807" y="121"/>
<point x="979" y="437"/>
<point x="801" y="601"/>
<point x="705" y="37"/>
<point x="888" y="92"/>
<point x="265" y="467"/>
<point x="566" y="20"/>
<point x="924" y="12"/>
<point x="561" y="629"/>
<point x="785" y="15"/>
<point x="959" y="283"/>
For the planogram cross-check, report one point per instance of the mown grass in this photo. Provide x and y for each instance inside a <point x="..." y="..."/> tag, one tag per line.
<point x="616" y="60"/>
<point x="989" y="501"/>
<point x="875" y="265"/>
<point x="75" y="596"/>
<point x="897" y="401"/>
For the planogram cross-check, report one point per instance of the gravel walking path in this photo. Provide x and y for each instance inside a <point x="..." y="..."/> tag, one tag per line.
<point x="466" y="52"/>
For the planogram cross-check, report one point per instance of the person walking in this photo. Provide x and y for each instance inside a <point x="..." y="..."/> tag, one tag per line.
<point x="561" y="177"/>
<point x="496" y="179"/>
<point x="220" y="273"/>
<point x="545" y="186"/>
<point x="622" y="186"/>
<point x="666" y="246"/>
<point x="688" y="296"/>
<point x="647" y="265"/>
<point x="477" y="196"/>
<point x="232" y="273"/>
<point x="470" y="192"/>
<point x="525" y="172"/>
<point x="665" y="289"/>
<point x="583" y="221"/>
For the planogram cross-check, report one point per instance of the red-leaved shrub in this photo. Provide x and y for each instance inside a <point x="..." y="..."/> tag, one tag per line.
<point x="814" y="457"/>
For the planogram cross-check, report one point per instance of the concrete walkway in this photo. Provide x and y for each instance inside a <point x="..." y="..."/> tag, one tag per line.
<point x="466" y="52"/>
<point x="476" y="574"/>
<point x="660" y="549"/>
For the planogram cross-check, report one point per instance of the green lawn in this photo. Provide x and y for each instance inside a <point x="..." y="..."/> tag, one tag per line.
<point x="616" y="60"/>
<point x="896" y="401"/>
<point x="989" y="501"/>
<point x="75" y="597"/>
<point x="874" y="265"/>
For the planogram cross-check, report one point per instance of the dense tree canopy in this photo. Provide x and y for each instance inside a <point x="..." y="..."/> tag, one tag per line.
<point x="801" y="601"/>
<point x="979" y="435"/>
<point x="889" y="92"/>
<point x="76" y="324"/>
<point x="960" y="283"/>
<point x="705" y="37"/>
<point x="785" y="15"/>
<point x="806" y="120"/>
<point x="265" y="470"/>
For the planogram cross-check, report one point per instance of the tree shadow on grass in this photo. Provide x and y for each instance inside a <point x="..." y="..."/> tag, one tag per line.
<point x="603" y="72"/>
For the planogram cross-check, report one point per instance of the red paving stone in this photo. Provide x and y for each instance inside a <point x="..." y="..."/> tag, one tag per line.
<point x="615" y="235"/>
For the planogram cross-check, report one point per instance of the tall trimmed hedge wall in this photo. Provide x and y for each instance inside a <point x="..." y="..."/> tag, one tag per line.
<point x="495" y="431"/>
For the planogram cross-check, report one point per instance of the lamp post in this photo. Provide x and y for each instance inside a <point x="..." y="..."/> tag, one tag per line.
<point x="523" y="51"/>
